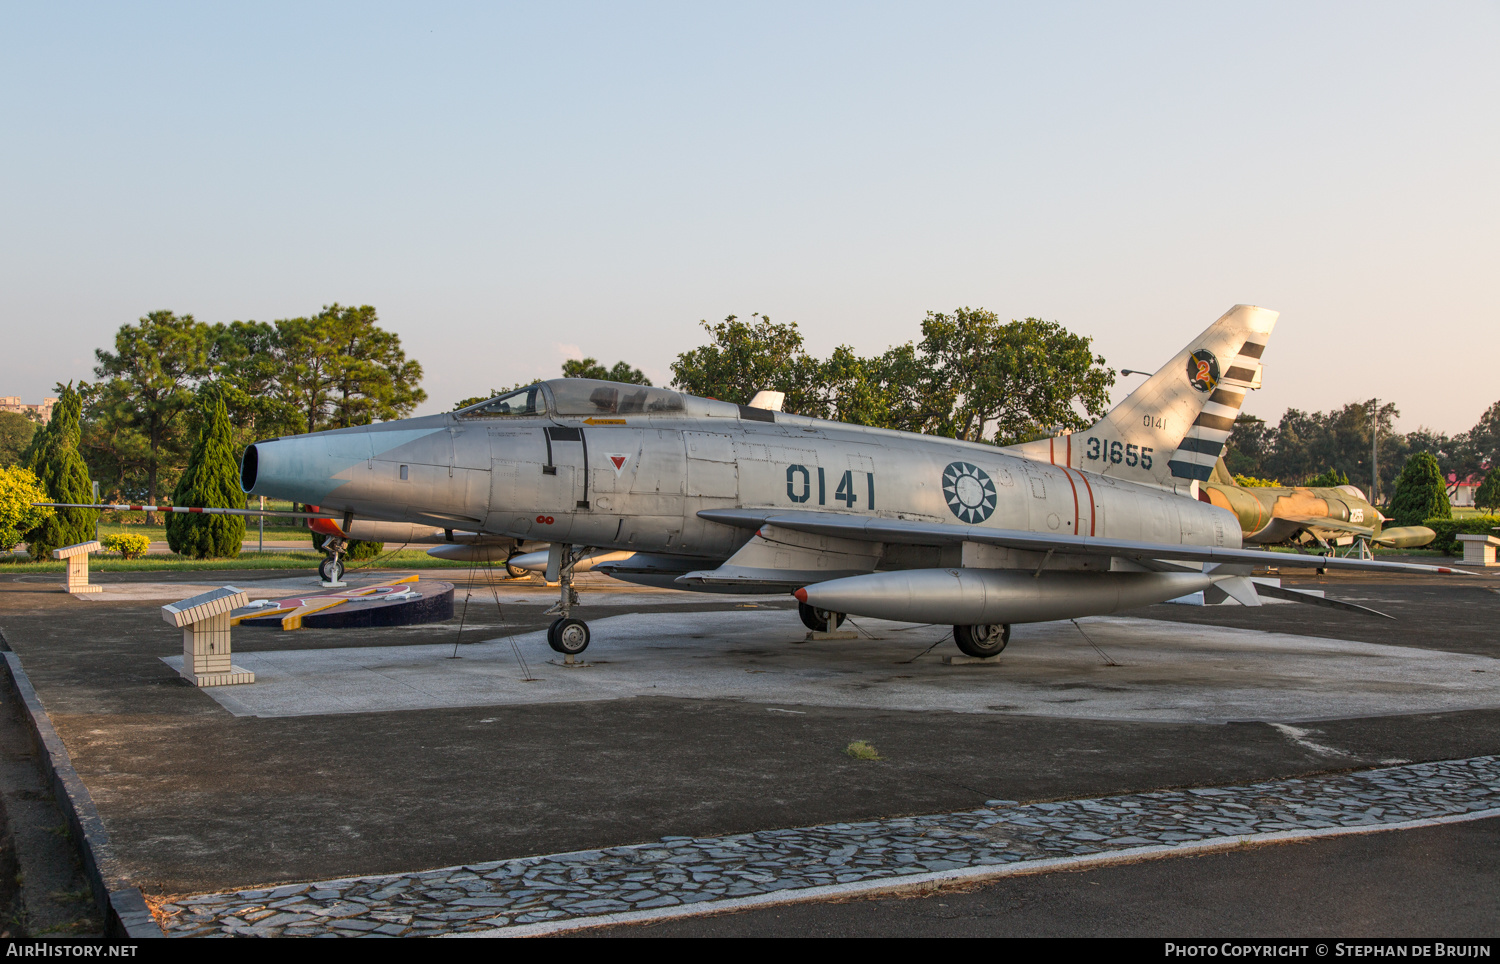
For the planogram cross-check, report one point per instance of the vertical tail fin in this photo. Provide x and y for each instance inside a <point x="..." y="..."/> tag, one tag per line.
<point x="1172" y="429"/>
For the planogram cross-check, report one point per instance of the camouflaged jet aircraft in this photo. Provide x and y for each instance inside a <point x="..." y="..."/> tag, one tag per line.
<point x="1324" y="517"/>
<point x="711" y="496"/>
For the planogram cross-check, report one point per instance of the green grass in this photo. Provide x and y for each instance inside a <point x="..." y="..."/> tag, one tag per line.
<point x="19" y="563"/>
<point x="862" y="750"/>
<point x="158" y="533"/>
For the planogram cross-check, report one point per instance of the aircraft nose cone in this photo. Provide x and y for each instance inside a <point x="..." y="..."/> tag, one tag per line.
<point x="801" y="595"/>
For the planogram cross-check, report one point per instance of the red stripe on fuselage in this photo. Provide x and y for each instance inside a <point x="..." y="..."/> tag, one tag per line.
<point x="1076" y="517"/>
<point x="1090" y="489"/>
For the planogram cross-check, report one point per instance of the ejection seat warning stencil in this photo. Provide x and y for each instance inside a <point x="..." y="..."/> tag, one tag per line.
<point x="969" y="490"/>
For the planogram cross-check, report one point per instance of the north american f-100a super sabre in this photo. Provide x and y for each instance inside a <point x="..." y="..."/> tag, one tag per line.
<point x="712" y="496"/>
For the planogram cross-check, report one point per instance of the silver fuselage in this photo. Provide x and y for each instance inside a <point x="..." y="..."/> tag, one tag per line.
<point x="637" y="481"/>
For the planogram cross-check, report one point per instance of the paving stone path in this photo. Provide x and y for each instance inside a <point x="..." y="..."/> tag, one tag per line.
<point x="506" y="895"/>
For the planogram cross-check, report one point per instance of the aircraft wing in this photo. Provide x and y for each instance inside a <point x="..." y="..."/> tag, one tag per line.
<point x="867" y="529"/>
<point x="1321" y="523"/>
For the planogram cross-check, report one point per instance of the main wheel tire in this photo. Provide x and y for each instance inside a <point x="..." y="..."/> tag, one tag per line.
<point x="982" y="641"/>
<point x="331" y="570"/>
<point x="819" y="620"/>
<point x="568" y="636"/>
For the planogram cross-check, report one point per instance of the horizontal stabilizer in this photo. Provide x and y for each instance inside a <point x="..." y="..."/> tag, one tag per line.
<point x="1293" y="595"/>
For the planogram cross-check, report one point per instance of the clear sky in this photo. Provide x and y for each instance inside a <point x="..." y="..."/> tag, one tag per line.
<point x="513" y="184"/>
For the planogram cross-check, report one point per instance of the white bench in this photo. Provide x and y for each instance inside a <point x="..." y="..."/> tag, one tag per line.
<point x="204" y="621"/>
<point x="1479" y="550"/>
<point x="78" y="566"/>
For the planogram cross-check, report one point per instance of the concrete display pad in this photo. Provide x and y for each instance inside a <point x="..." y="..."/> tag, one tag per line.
<point x="1164" y="672"/>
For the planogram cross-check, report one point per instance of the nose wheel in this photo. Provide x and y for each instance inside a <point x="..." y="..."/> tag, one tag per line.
<point x="568" y="636"/>
<point x="331" y="569"/>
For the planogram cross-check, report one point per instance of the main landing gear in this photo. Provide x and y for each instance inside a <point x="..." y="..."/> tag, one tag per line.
<point x="819" y="620"/>
<point x="567" y="634"/>
<point x="982" y="641"/>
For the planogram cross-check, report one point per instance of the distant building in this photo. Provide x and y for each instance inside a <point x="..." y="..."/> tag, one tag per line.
<point x="1461" y="491"/>
<point x="37" y="413"/>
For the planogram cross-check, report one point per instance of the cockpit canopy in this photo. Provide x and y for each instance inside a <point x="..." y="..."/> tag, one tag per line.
<point x="578" y="396"/>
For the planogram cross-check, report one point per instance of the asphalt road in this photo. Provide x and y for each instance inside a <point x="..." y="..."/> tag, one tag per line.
<point x="1438" y="882"/>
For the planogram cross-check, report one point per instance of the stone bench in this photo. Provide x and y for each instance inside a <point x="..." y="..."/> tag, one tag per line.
<point x="78" y="566"/>
<point x="1479" y="550"/>
<point x="204" y="621"/>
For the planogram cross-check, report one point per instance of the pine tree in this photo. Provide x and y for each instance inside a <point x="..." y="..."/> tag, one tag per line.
<point x="1488" y="494"/>
<point x="1421" y="493"/>
<point x="60" y="469"/>
<point x="211" y="479"/>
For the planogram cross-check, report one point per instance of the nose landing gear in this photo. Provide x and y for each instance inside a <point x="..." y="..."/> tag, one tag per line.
<point x="567" y="634"/>
<point x="331" y="569"/>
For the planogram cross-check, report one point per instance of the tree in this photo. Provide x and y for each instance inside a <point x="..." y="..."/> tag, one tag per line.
<point x="590" y="368"/>
<point x="744" y="358"/>
<point x="246" y="364"/>
<point x="151" y="376"/>
<point x="16" y="431"/>
<point x="1482" y="446"/>
<point x="60" y="470"/>
<point x="211" y="479"/>
<point x="1487" y="496"/>
<point x="1421" y="493"/>
<point x="1251" y="442"/>
<point x="19" y="489"/>
<point x="1007" y="382"/>
<point x="340" y="368"/>
<point x="1307" y="443"/>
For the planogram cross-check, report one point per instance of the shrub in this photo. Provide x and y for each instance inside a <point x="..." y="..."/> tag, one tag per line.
<point x="1448" y="531"/>
<point x="130" y="545"/>
<point x="1251" y="482"/>
<point x="19" y="488"/>
<point x="1421" y="493"/>
<point x="358" y="548"/>
<point x="1329" y="479"/>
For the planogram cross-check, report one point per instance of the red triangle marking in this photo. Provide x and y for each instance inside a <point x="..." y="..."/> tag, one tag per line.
<point x="619" y="461"/>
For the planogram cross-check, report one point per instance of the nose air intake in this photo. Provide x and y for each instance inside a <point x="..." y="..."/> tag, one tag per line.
<point x="248" y="468"/>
